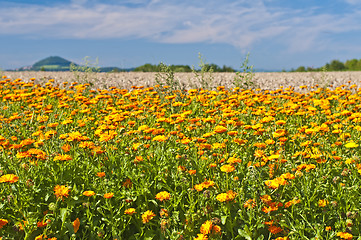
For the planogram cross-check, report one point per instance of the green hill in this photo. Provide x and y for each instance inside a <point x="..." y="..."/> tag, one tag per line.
<point x="52" y="63"/>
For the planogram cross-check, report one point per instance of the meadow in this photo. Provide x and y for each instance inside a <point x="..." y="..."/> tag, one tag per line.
<point x="159" y="163"/>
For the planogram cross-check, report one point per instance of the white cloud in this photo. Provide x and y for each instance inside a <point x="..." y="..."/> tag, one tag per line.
<point x="353" y="2"/>
<point x="239" y="23"/>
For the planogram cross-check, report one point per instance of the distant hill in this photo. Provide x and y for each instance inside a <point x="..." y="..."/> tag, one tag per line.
<point x="52" y="64"/>
<point x="55" y="63"/>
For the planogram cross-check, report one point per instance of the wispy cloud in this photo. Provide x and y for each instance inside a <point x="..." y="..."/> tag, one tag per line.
<point x="232" y="22"/>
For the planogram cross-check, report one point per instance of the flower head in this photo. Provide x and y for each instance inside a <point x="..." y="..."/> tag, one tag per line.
<point x="88" y="193"/>
<point x="61" y="191"/>
<point x="76" y="225"/>
<point x="206" y="227"/>
<point x="162" y="196"/>
<point x="227" y="168"/>
<point x="130" y="211"/>
<point x="10" y="178"/>
<point x="108" y="195"/>
<point x="147" y="216"/>
<point x="3" y="222"/>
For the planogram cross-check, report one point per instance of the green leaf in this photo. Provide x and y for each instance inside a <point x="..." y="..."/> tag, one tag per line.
<point x="149" y="235"/>
<point x="260" y="237"/>
<point x="63" y="214"/>
<point x="244" y="234"/>
<point x="223" y="219"/>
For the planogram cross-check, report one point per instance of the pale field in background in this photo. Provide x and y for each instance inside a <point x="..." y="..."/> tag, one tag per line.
<point x="264" y="81"/>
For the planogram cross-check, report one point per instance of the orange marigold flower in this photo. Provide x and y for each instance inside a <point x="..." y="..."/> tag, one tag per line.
<point x="43" y="223"/>
<point x="66" y="147"/>
<point x="292" y="202"/>
<point x="61" y="191"/>
<point x="3" y="222"/>
<point x="160" y="138"/>
<point x="216" y="230"/>
<point x="201" y="236"/>
<point x="225" y="197"/>
<point x="206" y="227"/>
<point x="108" y="195"/>
<point x="76" y="225"/>
<point x="222" y="197"/>
<point x="63" y="157"/>
<point x="130" y="211"/>
<point x="227" y="168"/>
<point x="274" y="230"/>
<point x="322" y="202"/>
<point x="162" y="196"/>
<point x="10" y="178"/>
<point x="101" y="174"/>
<point x="164" y="213"/>
<point x="250" y="203"/>
<point x="147" y="216"/>
<point x="88" y="193"/>
<point x="26" y="142"/>
<point x="220" y="129"/>
<point x="344" y="235"/>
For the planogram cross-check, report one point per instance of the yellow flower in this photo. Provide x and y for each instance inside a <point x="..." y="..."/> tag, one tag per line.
<point x="226" y="197"/>
<point x="147" y="216"/>
<point x="206" y="227"/>
<point x="344" y="235"/>
<point x="129" y="211"/>
<point x="351" y="145"/>
<point x="88" y="193"/>
<point x="162" y="196"/>
<point x="10" y="178"/>
<point x="63" y="157"/>
<point x="227" y="168"/>
<point x="61" y="191"/>
<point x="160" y="138"/>
<point x="322" y="202"/>
<point x="220" y="129"/>
<point x="201" y="236"/>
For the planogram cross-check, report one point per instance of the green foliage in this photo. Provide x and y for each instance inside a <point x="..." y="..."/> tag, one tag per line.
<point x="182" y="68"/>
<point x="158" y="68"/>
<point x="86" y="72"/>
<point x="166" y="80"/>
<point x="204" y="76"/>
<point x="244" y="78"/>
<point x="334" y="65"/>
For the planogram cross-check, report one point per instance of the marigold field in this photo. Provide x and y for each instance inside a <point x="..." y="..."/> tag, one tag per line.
<point x="150" y="163"/>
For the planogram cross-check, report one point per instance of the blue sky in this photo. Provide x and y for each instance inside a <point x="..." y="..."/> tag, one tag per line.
<point x="278" y="34"/>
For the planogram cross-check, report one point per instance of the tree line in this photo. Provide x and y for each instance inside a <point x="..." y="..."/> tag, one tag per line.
<point x="334" y="65"/>
<point x="183" y="68"/>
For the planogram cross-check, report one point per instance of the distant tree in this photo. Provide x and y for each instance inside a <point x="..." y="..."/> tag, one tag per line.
<point x="336" y="65"/>
<point x="147" y="68"/>
<point x="301" y="69"/>
<point x="358" y="66"/>
<point x="227" y="69"/>
<point x="181" y="68"/>
<point x="351" y="65"/>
